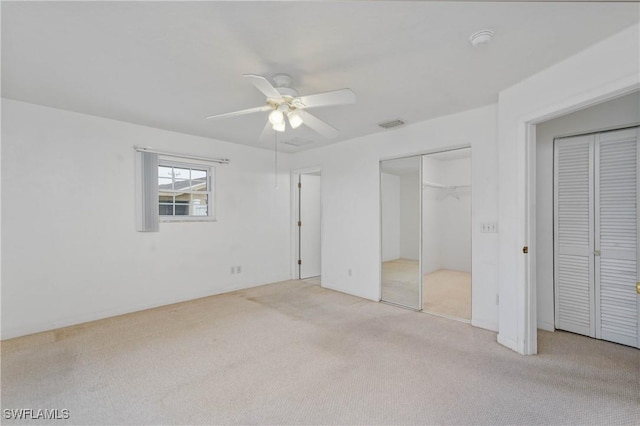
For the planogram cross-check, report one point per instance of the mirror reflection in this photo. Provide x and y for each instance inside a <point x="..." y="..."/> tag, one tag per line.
<point x="400" y="192"/>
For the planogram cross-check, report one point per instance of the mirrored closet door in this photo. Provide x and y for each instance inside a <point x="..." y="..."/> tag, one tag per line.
<point x="400" y="195"/>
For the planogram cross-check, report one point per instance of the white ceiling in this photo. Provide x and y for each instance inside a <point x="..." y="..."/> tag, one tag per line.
<point x="170" y="64"/>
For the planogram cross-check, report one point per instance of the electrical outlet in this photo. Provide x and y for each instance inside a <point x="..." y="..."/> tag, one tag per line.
<point x="349" y="272"/>
<point x="233" y="270"/>
<point x="238" y="269"/>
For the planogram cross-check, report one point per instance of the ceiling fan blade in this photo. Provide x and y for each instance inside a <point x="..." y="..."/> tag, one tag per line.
<point x="241" y="112"/>
<point x="267" y="133"/>
<point x="318" y="125"/>
<point x="263" y="85"/>
<point x="335" y="97"/>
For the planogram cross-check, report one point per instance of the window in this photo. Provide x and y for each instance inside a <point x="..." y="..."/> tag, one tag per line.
<point x="170" y="189"/>
<point x="185" y="191"/>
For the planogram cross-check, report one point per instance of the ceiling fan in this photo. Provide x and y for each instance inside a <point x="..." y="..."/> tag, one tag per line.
<point x="284" y="102"/>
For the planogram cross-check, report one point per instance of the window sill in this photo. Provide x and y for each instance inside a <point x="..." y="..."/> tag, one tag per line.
<point x="187" y="219"/>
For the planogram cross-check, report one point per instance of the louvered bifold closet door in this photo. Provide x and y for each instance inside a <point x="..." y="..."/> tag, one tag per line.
<point x="573" y="235"/>
<point x="616" y="236"/>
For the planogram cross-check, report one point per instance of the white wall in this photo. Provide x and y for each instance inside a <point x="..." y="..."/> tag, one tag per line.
<point x="390" y="203"/>
<point x="606" y="69"/>
<point x="71" y="252"/>
<point x="410" y="215"/>
<point x="446" y="220"/>
<point x="620" y="112"/>
<point x="431" y="216"/>
<point x="455" y="216"/>
<point x="351" y="202"/>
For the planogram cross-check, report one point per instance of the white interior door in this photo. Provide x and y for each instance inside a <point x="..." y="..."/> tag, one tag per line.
<point x="309" y="226"/>
<point x="596" y="236"/>
<point x="616" y="237"/>
<point x="573" y="235"/>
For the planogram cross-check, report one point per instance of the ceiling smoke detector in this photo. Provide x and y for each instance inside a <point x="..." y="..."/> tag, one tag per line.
<point x="391" y="124"/>
<point x="481" y="37"/>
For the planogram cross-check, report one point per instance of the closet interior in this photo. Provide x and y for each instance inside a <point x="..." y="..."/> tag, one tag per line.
<point x="426" y="233"/>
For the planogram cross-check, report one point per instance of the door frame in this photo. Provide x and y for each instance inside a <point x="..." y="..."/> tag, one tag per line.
<point x="295" y="174"/>
<point x="526" y="178"/>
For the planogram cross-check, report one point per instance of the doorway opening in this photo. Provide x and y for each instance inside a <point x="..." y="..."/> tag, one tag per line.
<point x="584" y="267"/>
<point x="446" y="234"/>
<point x="308" y="224"/>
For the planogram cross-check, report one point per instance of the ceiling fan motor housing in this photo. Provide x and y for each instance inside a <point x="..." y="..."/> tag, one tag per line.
<point x="283" y="86"/>
<point x="282" y="80"/>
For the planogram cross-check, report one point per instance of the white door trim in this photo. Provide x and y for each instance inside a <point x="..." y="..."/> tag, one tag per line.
<point x="295" y="173"/>
<point x="526" y="148"/>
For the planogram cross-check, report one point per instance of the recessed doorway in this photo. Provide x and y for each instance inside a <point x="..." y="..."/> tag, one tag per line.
<point x="446" y="233"/>
<point x="426" y="233"/>
<point x="308" y="225"/>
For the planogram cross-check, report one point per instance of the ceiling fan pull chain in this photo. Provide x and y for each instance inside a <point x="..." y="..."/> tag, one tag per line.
<point x="275" y="149"/>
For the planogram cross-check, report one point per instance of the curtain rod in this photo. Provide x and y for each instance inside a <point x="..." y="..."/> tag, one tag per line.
<point x="175" y="154"/>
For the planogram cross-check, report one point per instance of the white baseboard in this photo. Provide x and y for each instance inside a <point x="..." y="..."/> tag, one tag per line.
<point x="546" y="326"/>
<point x="487" y="325"/>
<point x="341" y="290"/>
<point x="508" y="342"/>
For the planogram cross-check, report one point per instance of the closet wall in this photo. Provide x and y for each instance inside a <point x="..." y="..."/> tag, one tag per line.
<point x="446" y="220"/>
<point x="400" y="215"/>
<point x="390" y="204"/>
<point x="431" y="220"/>
<point x="410" y="216"/>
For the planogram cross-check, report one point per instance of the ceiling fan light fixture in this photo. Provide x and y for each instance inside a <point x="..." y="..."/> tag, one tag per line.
<point x="276" y="117"/>
<point x="279" y="127"/>
<point x="283" y="100"/>
<point x="294" y="119"/>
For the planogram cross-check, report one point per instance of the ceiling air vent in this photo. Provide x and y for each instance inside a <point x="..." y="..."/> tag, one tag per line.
<point x="298" y="142"/>
<point x="391" y="124"/>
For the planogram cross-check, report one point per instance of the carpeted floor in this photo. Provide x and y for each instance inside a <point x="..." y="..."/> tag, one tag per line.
<point x="448" y="293"/>
<point x="296" y="353"/>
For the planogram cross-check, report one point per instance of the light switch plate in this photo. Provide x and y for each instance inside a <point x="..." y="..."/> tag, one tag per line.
<point x="489" y="227"/>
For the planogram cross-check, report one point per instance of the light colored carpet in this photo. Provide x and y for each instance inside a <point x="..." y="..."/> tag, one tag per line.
<point x="447" y="293"/>
<point x="296" y="353"/>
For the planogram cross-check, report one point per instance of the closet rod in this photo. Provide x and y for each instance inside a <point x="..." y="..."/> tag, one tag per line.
<point x="438" y="185"/>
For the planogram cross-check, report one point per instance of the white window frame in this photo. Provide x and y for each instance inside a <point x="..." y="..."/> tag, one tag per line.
<point x="211" y="216"/>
